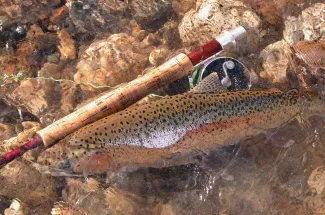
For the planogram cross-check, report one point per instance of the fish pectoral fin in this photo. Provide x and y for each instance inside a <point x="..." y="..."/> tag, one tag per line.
<point x="210" y="84"/>
<point x="54" y="171"/>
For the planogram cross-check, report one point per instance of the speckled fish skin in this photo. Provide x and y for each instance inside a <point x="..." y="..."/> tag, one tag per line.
<point x="153" y="134"/>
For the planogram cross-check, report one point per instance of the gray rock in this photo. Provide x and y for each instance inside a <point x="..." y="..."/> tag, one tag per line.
<point x="211" y="17"/>
<point x="112" y="61"/>
<point x="275" y="61"/>
<point x="148" y="11"/>
<point x="309" y="25"/>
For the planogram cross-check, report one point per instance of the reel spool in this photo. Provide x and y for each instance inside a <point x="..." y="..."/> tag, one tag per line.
<point x="232" y="74"/>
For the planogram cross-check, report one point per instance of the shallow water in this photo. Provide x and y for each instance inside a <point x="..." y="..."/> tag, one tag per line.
<point x="57" y="55"/>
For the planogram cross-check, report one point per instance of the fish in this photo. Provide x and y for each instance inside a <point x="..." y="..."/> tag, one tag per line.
<point x="173" y="130"/>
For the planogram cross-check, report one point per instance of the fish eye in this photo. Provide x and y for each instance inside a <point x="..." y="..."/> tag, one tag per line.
<point x="65" y="164"/>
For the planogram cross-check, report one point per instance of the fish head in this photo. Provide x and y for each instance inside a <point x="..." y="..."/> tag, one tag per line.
<point x="70" y="157"/>
<point x="92" y="162"/>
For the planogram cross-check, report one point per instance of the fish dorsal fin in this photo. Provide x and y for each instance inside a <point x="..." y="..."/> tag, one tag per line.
<point x="292" y="92"/>
<point x="210" y="84"/>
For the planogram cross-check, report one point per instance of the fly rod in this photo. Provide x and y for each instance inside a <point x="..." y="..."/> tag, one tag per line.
<point x="175" y="68"/>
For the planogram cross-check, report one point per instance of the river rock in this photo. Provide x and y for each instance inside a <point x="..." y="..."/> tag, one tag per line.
<point x="31" y="53"/>
<point x="34" y="95"/>
<point x="112" y="61"/>
<point x="293" y="30"/>
<point x="6" y="131"/>
<point x="309" y="25"/>
<point x="89" y="19"/>
<point x="181" y="7"/>
<point x="149" y="11"/>
<point x="67" y="45"/>
<point x="313" y="21"/>
<point x="316" y="179"/>
<point x="28" y="11"/>
<point x="158" y="56"/>
<point x="85" y="197"/>
<point x="19" y="180"/>
<point x="275" y="61"/>
<point x="17" y="207"/>
<point x="211" y="17"/>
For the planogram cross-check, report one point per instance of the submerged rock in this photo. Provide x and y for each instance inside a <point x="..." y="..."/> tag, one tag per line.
<point x="19" y="180"/>
<point x="313" y="21"/>
<point x="112" y="61"/>
<point x="158" y="56"/>
<point x="30" y="129"/>
<point x="309" y="25"/>
<point x="6" y="131"/>
<point x="211" y="17"/>
<point x="316" y="179"/>
<point x="34" y="95"/>
<point x="85" y="196"/>
<point x="17" y="207"/>
<point x="67" y="46"/>
<point x="46" y="99"/>
<point x="89" y="19"/>
<point x="275" y="62"/>
<point x="146" y="12"/>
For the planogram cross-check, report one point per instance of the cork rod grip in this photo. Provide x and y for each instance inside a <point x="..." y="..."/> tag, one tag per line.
<point x="119" y="99"/>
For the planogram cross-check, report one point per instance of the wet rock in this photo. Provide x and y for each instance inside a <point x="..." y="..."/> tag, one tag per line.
<point x="61" y="70"/>
<point x="68" y="100"/>
<point x="54" y="58"/>
<point x="316" y="179"/>
<point x="6" y="131"/>
<point x="275" y="61"/>
<point x="169" y="35"/>
<point x="67" y="46"/>
<point x="123" y="202"/>
<point x="17" y="16"/>
<point x="112" y="61"/>
<point x="88" y="18"/>
<point x="84" y="198"/>
<point x="276" y="11"/>
<point x="315" y="204"/>
<point x="59" y="14"/>
<point x="293" y="32"/>
<point x="313" y="21"/>
<point x="30" y="129"/>
<point x="19" y="180"/>
<point x="309" y="25"/>
<point x="30" y="52"/>
<point x="10" y="34"/>
<point x="181" y="7"/>
<point x="17" y="207"/>
<point x="28" y="11"/>
<point x="34" y="95"/>
<point x="65" y="208"/>
<point x="211" y="17"/>
<point x="158" y="56"/>
<point x="146" y="12"/>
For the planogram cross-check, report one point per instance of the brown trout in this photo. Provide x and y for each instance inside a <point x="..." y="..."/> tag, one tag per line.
<point x="172" y="130"/>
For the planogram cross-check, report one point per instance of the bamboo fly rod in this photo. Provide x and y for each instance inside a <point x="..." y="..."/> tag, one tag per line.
<point x="119" y="99"/>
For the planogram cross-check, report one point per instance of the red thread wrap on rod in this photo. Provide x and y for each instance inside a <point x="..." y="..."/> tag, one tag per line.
<point x="18" y="152"/>
<point x="204" y="51"/>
